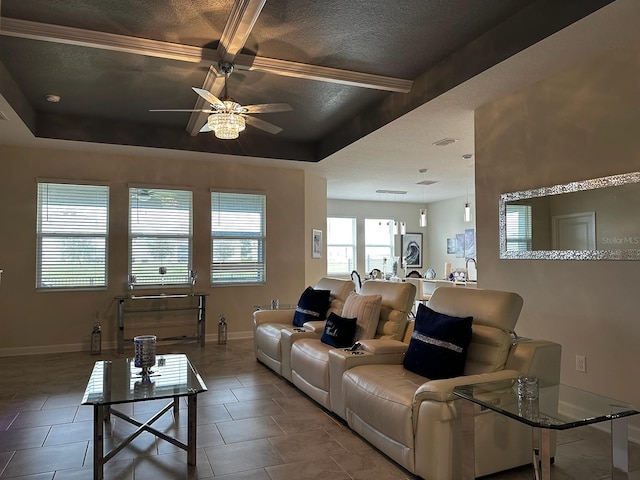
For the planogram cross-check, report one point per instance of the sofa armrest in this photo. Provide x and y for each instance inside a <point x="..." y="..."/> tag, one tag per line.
<point x="536" y="358"/>
<point x="442" y="390"/>
<point x="272" y="316"/>
<point x="379" y="346"/>
<point x="315" y="326"/>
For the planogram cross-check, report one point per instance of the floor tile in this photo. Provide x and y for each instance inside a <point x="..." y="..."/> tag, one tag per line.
<point x="45" y="459"/>
<point x="242" y="456"/>
<point x="249" y="429"/>
<point x="37" y="418"/>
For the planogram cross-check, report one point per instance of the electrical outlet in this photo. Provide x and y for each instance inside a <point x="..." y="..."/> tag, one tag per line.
<point x="581" y="363"/>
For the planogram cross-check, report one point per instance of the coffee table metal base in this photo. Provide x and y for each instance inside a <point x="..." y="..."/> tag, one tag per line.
<point x="102" y="414"/>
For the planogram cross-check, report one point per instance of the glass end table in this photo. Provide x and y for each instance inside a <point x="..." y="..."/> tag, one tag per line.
<point x="120" y="381"/>
<point x="544" y="415"/>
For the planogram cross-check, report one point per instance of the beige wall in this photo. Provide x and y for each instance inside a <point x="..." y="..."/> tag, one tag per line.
<point x="581" y="124"/>
<point x="33" y="321"/>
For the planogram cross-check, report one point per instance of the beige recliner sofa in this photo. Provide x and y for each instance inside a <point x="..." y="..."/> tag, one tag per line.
<point x="274" y="333"/>
<point x="416" y="421"/>
<point x="310" y="368"/>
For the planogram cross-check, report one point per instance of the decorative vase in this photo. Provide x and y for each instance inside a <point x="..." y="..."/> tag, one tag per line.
<point x="145" y="352"/>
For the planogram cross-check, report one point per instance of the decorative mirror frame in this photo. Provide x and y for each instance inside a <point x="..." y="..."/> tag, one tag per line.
<point x="611" y="181"/>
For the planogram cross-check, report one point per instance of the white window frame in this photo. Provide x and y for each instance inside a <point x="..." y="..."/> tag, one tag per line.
<point x="60" y="224"/>
<point x="228" y="228"/>
<point x="377" y="261"/>
<point x="175" y="234"/>
<point x="346" y="247"/>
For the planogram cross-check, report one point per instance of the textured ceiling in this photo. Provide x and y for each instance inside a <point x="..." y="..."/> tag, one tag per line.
<point x="347" y="68"/>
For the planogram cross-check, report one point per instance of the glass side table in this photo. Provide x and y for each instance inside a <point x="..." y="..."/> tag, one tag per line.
<point x="120" y="381"/>
<point x="544" y="415"/>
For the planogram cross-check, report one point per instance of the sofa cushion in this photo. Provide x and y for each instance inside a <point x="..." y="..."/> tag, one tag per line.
<point x="313" y="305"/>
<point x="366" y="310"/>
<point x="438" y="345"/>
<point x="339" y="331"/>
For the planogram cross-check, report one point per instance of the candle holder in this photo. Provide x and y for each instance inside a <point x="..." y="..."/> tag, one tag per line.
<point x="145" y="353"/>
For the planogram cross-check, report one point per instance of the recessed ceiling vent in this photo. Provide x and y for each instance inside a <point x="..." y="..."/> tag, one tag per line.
<point x="427" y="182"/>
<point x="393" y="192"/>
<point x="445" y="141"/>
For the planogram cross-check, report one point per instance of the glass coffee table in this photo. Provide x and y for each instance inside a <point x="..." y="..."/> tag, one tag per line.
<point x="120" y="381"/>
<point x="545" y="415"/>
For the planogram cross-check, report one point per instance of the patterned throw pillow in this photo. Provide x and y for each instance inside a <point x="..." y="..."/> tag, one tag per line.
<point x="313" y="305"/>
<point x="366" y="309"/>
<point x="438" y="345"/>
<point x="339" y="331"/>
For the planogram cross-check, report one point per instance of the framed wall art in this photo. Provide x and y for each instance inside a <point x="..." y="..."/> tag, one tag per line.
<point x="412" y="249"/>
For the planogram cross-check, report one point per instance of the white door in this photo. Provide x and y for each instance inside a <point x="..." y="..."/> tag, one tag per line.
<point x="576" y="231"/>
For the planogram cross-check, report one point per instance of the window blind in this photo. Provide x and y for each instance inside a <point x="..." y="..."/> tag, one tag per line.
<point x="519" y="228"/>
<point x="160" y="234"/>
<point x="238" y="237"/>
<point x="72" y="235"/>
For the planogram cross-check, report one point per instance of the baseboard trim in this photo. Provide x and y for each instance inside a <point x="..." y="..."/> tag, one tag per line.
<point x="579" y="411"/>
<point x="84" y="347"/>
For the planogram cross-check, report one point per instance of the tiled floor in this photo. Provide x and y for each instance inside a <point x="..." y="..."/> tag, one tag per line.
<point x="252" y="425"/>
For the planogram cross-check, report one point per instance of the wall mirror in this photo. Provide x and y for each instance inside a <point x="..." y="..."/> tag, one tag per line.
<point x="596" y="219"/>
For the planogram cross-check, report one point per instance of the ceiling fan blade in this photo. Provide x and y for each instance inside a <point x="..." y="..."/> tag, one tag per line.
<point x="208" y="96"/>
<point x="268" y="108"/>
<point x="203" y="110"/>
<point x="262" y="125"/>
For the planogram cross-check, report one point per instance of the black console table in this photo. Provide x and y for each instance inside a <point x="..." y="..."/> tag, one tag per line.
<point x="125" y="306"/>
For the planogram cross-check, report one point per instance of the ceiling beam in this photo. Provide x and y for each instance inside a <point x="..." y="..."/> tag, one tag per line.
<point x="12" y="27"/>
<point x="242" y="18"/>
<point x="323" y="74"/>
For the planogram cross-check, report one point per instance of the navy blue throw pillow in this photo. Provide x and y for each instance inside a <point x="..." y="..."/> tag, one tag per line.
<point x="438" y="345"/>
<point x="339" y="331"/>
<point x="313" y="305"/>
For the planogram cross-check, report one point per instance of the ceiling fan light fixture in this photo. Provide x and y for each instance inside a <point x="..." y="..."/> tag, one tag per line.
<point x="226" y="126"/>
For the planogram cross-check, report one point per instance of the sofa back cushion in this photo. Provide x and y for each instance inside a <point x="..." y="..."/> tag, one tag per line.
<point x="397" y="302"/>
<point x="494" y="313"/>
<point x="339" y="291"/>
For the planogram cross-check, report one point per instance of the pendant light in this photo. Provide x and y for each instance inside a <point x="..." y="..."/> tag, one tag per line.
<point x="423" y="211"/>
<point x="467" y="205"/>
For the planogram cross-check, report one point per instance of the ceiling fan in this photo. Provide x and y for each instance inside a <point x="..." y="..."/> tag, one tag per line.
<point x="227" y="117"/>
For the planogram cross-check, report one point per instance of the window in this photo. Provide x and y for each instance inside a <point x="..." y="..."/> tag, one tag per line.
<point x="72" y="235"/>
<point x="518" y="227"/>
<point x="160" y="236"/>
<point x="378" y="239"/>
<point x="237" y="237"/>
<point x="341" y="245"/>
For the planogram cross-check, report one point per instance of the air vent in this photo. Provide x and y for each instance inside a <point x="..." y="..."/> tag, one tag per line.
<point x="392" y="192"/>
<point x="427" y="182"/>
<point x="445" y="141"/>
